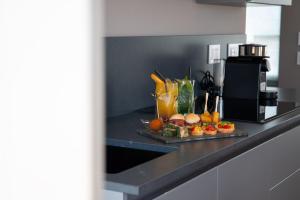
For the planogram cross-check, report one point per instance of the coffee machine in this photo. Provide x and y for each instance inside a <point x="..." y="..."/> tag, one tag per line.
<point x="245" y="86"/>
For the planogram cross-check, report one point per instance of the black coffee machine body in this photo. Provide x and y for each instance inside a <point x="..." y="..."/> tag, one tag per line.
<point x="245" y="88"/>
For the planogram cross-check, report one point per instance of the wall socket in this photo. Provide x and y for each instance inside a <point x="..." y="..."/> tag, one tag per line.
<point x="233" y="50"/>
<point x="299" y="39"/>
<point x="214" y="53"/>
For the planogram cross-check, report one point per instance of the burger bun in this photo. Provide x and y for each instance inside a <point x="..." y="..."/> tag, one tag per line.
<point x="192" y="118"/>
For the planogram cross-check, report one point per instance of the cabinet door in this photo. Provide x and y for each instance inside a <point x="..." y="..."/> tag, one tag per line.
<point x="285" y="155"/>
<point x="202" y="187"/>
<point x="246" y="177"/>
<point x="287" y="189"/>
<point x="113" y="195"/>
<point x="253" y="173"/>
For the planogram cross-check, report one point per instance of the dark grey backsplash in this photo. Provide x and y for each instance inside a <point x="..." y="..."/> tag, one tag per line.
<point x="130" y="61"/>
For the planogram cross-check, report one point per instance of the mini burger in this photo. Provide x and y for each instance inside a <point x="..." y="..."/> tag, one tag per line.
<point x="192" y="119"/>
<point x="177" y="119"/>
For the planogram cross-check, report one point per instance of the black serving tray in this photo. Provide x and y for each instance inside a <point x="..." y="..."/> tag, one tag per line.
<point x="169" y="140"/>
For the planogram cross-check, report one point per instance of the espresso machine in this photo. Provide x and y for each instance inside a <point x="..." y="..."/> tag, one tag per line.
<point x="245" y="92"/>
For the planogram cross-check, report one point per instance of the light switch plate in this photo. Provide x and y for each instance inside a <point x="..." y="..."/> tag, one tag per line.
<point x="298" y="58"/>
<point x="299" y="39"/>
<point x="233" y="50"/>
<point x="214" y="53"/>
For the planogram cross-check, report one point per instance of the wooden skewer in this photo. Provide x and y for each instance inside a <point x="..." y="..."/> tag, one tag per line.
<point x="157" y="111"/>
<point x="206" y="99"/>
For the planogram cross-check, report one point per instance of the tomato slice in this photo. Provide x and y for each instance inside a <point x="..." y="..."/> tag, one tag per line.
<point x="210" y="128"/>
<point x="227" y="126"/>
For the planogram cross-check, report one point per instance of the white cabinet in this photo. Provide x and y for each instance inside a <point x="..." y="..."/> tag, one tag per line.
<point x="112" y="195"/>
<point x="202" y="187"/>
<point x="246" y="177"/>
<point x="255" y="173"/>
<point x="285" y="155"/>
<point x="287" y="189"/>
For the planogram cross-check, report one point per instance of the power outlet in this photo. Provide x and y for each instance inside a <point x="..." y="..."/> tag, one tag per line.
<point x="233" y="50"/>
<point x="299" y="39"/>
<point x="214" y="53"/>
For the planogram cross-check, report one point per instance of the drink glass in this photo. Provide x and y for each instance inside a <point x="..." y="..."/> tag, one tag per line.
<point x="166" y="99"/>
<point x="186" y="97"/>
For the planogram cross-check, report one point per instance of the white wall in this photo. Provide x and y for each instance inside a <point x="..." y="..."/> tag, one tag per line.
<point x="289" y="72"/>
<point x="171" y="17"/>
<point x="47" y="134"/>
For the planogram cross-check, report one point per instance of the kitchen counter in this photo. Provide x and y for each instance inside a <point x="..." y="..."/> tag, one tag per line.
<point x="186" y="160"/>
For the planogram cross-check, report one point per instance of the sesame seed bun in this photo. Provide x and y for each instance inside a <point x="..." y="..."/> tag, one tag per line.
<point x="192" y="118"/>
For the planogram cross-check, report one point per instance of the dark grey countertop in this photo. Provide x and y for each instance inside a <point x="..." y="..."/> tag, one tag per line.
<point x="186" y="160"/>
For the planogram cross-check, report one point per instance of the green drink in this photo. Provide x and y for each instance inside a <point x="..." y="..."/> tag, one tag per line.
<point x="185" y="99"/>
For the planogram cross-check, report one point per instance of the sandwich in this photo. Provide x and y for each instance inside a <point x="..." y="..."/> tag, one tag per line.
<point x="193" y="123"/>
<point x="177" y="119"/>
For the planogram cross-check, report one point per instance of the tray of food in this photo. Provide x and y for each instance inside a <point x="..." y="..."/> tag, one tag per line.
<point x="185" y="128"/>
<point x="176" y="120"/>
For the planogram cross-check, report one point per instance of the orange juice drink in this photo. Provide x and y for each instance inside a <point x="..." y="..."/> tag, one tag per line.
<point x="166" y="99"/>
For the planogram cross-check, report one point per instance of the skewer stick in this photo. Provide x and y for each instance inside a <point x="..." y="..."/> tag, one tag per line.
<point x="157" y="111"/>
<point x="206" y="98"/>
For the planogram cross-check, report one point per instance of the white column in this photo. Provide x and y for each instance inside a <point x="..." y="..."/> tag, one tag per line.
<point x="47" y="100"/>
